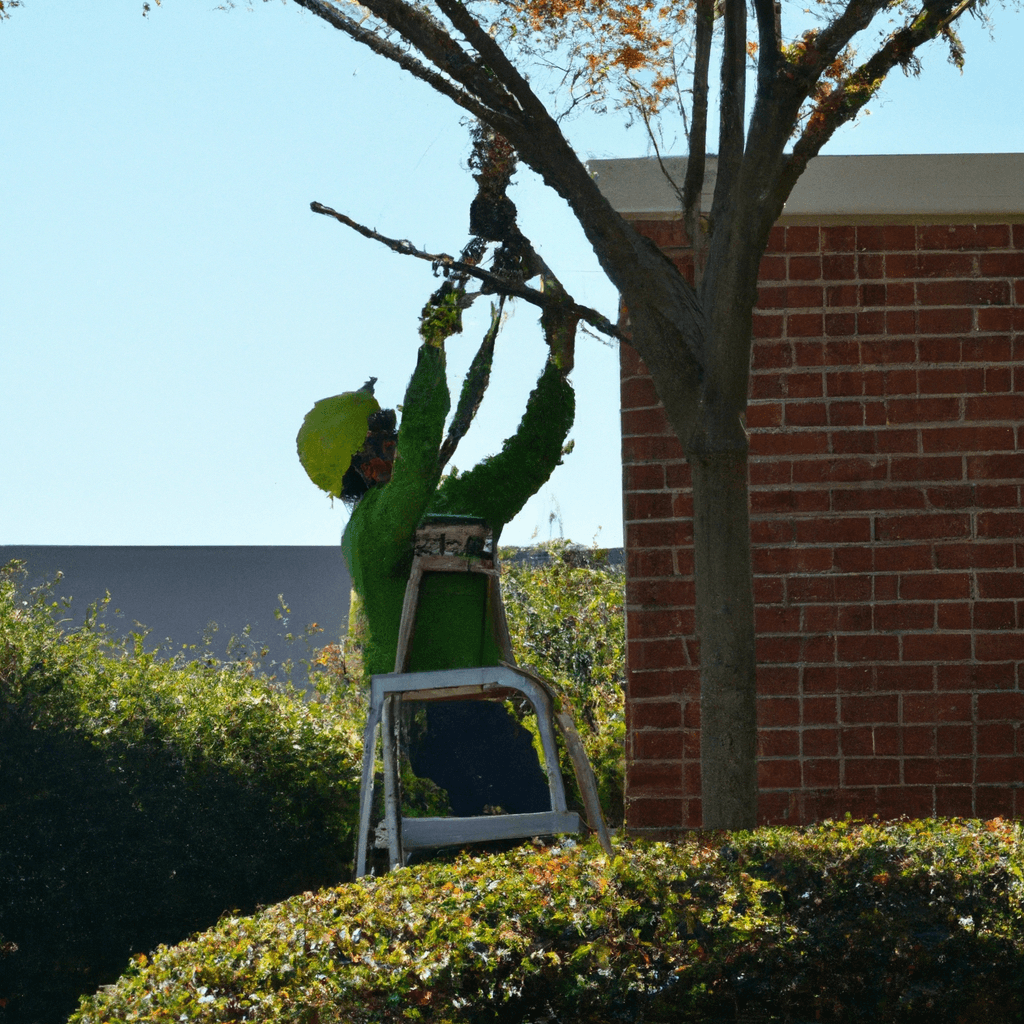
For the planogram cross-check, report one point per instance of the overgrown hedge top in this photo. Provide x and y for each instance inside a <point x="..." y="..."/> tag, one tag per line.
<point x="840" y="922"/>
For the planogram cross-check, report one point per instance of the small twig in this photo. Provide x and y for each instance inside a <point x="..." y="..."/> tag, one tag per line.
<point x="501" y="285"/>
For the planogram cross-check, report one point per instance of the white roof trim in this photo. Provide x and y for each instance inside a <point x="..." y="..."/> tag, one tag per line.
<point x="941" y="185"/>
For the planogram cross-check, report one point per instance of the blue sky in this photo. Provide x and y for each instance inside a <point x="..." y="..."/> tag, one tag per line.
<point x="170" y="308"/>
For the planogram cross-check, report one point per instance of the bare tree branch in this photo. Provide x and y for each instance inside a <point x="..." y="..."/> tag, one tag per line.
<point x="693" y="185"/>
<point x="769" y="35"/>
<point x="846" y="101"/>
<point x="733" y="104"/>
<point x="500" y="285"/>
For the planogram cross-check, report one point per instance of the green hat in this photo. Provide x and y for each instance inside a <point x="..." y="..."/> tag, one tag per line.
<point x="332" y="432"/>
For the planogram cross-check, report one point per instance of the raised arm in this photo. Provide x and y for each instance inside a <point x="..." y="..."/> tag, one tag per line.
<point x="501" y="485"/>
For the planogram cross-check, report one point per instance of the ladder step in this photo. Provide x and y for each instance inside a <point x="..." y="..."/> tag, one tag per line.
<point x="418" y="833"/>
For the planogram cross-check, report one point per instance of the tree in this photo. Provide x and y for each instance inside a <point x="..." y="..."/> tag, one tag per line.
<point x="654" y="59"/>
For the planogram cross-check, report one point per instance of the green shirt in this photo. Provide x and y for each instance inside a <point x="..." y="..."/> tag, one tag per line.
<point x="453" y="625"/>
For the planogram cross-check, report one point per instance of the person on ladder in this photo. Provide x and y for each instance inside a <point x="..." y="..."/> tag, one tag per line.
<point x="393" y="479"/>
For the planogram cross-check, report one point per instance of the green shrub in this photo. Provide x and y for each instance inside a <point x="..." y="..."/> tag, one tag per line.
<point x="142" y="798"/>
<point x="842" y="922"/>
<point x="566" y="619"/>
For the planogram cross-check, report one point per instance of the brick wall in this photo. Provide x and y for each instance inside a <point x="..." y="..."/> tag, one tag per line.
<point x="887" y="458"/>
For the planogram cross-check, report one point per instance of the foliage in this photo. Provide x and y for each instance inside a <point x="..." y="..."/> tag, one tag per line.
<point x="566" y="619"/>
<point x="841" y="922"/>
<point x="142" y="798"/>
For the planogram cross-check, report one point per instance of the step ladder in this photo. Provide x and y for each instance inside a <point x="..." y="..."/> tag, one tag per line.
<point x="461" y="544"/>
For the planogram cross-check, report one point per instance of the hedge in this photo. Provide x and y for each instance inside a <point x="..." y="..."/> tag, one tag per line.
<point x="842" y="922"/>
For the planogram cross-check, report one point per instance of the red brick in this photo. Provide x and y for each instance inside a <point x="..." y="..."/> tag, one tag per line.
<point x="1000" y="769"/>
<point x="778" y="680"/>
<point x="805" y="325"/>
<point x="963" y="293"/>
<point x="659" y="534"/>
<point x="964" y="236"/>
<point x="802" y="239"/>
<point x="778" y="712"/>
<point x="871" y="322"/>
<point x="996" y="467"/>
<point x="994" y="585"/>
<point x="853" y="559"/>
<point x="778" y="774"/>
<point x="839" y="239"/>
<point x="1001" y="524"/>
<point x="839" y="470"/>
<point x="658" y="745"/>
<point x="959" y="496"/>
<point x="645" y="422"/>
<point x="867" y="647"/>
<point x="947" y="770"/>
<point x="640" y="505"/>
<point x="997" y="496"/>
<point x="909" y="526"/>
<point x="994" y="802"/>
<point x="659" y="624"/>
<point x="922" y="410"/>
<point x="776" y="620"/>
<point x="954" y="740"/>
<point x="657" y="715"/>
<point x="869" y="709"/>
<point x="638" y="393"/>
<point x="947" y="467"/>
<point x="935" y="586"/>
<point x="646" y="812"/>
<point x="663" y="653"/>
<point x="947" y="707"/>
<point x="764" y="414"/>
<point x="932" y="647"/>
<point x="792" y="560"/>
<point x="954" y="801"/>
<point x="871" y="772"/>
<point x="784" y="650"/>
<point x="980" y="349"/>
<point x="821" y="774"/>
<point x="663" y="683"/>
<point x="952" y="615"/>
<point x="780" y="502"/>
<point x="771" y="357"/>
<point x="929" y="264"/>
<point x="807" y="414"/>
<point x="999" y="646"/>
<point x="819" y="742"/>
<point x="767" y="325"/>
<point x="951" y="380"/>
<point x="778" y="743"/>
<point x="904" y="678"/>
<point x="919" y="740"/>
<point x="945" y="320"/>
<point x="996" y="739"/>
<point x="820" y="679"/>
<point x="995" y="615"/>
<point x="973" y="555"/>
<point x="886" y="237"/>
<point x="904" y="615"/>
<point x="904" y="558"/>
<point x="651" y="449"/>
<point x="819" y="711"/>
<point x="877" y="741"/>
<point x="995" y="407"/>
<point x="975" y="438"/>
<point x="871" y="266"/>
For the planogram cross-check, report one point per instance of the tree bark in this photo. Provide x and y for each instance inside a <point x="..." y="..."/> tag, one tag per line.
<point x="725" y="629"/>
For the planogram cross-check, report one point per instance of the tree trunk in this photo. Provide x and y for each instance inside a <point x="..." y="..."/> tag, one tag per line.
<point x="725" y="629"/>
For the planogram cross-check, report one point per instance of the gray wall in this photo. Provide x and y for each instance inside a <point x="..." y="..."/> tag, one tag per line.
<point x="176" y="592"/>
